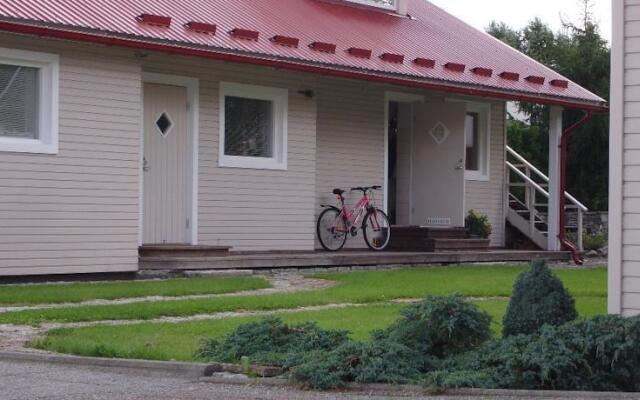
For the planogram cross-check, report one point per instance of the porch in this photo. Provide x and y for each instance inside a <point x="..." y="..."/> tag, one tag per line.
<point x="348" y="258"/>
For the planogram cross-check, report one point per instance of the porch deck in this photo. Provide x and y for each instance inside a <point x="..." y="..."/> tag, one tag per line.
<point x="312" y="259"/>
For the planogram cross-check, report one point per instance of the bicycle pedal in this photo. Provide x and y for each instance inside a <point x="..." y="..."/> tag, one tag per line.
<point x="354" y="231"/>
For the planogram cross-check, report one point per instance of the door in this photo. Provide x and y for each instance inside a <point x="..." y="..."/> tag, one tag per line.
<point x="166" y="164"/>
<point x="438" y="164"/>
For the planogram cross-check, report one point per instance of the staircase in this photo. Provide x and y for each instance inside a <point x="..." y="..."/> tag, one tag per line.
<point x="529" y="202"/>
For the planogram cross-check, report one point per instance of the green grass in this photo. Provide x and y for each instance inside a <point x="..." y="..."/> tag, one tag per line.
<point x="354" y="287"/>
<point x="180" y="341"/>
<point x="77" y="292"/>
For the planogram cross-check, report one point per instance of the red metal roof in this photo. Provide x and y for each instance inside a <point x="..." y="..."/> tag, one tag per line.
<point x="430" y="33"/>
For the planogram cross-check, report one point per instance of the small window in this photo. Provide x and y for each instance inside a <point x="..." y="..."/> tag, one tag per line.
<point x="253" y="129"/>
<point x="28" y="102"/>
<point x="477" y="129"/>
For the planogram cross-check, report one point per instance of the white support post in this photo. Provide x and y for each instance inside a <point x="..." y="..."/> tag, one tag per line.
<point x="553" y="220"/>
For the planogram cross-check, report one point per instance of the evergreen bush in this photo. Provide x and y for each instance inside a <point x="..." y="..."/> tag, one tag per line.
<point x="440" y="326"/>
<point x="538" y="298"/>
<point x="601" y="354"/>
<point x="379" y="361"/>
<point x="271" y="342"/>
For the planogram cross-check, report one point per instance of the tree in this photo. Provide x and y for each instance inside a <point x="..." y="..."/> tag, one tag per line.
<point x="579" y="53"/>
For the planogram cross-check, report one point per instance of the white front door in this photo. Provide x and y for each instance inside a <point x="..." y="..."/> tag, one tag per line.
<point x="167" y="165"/>
<point x="438" y="164"/>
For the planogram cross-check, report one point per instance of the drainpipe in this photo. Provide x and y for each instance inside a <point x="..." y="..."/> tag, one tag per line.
<point x="575" y="254"/>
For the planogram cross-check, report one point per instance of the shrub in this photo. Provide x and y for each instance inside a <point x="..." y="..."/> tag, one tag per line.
<point x="538" y="298"/>
<point x="271" y="342"/>
<point x="478" y="224"/>
<point x="595" y="240"/>
<point x="440" y="326"/>
<point x="592" y="355"/>
<point x="379" y="361"/>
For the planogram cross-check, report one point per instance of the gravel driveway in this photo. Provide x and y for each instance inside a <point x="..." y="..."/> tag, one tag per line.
<point x="40" y="381"/>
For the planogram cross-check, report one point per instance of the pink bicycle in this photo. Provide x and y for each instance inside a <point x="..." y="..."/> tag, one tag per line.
<point x="336" y="223"/>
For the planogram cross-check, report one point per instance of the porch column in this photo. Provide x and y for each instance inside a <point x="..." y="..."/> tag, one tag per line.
<point x="555" y="135"/>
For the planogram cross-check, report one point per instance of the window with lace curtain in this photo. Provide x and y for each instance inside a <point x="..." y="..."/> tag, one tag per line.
<point x="28" y="101"/>
<point x="253" y="128"/>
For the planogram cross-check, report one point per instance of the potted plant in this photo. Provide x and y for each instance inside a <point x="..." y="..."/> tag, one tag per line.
<point x="477" y="225"/>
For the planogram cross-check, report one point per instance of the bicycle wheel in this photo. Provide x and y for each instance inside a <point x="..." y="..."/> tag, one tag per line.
<point x="331" y="230"/>
<point x="376" y="229"/>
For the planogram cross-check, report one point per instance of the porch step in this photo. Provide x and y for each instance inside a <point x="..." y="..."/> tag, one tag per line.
<point x="459" y="244"/>
<point x="182" y="250"/>
<point x="416" y="238"/>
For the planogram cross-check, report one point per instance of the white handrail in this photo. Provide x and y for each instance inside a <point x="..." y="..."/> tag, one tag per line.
<point x="527" y="179"/>
<point x="542" y="176"/>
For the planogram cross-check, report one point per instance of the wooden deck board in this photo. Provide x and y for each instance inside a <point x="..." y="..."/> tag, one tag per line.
<point x="265" y="260"/>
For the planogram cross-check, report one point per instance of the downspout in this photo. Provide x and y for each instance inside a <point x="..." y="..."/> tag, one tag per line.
<point x="575" y="253"/>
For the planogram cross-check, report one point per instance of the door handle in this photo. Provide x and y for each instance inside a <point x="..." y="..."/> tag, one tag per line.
<point x="145" y="164"/>
<point x="459" y="164"/>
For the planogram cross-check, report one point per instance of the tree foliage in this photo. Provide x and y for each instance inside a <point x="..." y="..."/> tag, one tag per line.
<point x="538" y="298"/>
<point x="580" y="53"/>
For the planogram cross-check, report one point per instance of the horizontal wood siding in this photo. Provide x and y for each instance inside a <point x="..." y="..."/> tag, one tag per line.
<point x="77" y="211"/>
<point x="251" y="209"/>
<point x="631" y="162"/>
<point x="488" y="197"/>
<point x="350" y="141"/>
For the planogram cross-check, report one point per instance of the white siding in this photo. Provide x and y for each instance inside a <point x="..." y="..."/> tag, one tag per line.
<point x="631" y="162"/>
<point x="251" y="209"/>
<point x="350" y="142"/>
<point x="488" y="197"/>
<point x="624" y="273"/>
<point x="77" y="211"/>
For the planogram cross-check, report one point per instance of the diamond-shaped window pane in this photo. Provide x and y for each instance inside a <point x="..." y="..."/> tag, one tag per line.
<point x="164" y="123"/>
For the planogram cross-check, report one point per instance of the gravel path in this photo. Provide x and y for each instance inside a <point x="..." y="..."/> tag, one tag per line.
<point x="14" y="337"/>
<point x="280" y="283"/>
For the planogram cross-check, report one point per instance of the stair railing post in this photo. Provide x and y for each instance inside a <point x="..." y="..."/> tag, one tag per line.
<point x="531" y="201"/>
<point x="580" y="225"/>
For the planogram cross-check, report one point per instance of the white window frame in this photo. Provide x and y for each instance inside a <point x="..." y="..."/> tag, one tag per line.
<point x="280" y="99"/>
<point x="372" y="3"/>
<point x="484" y="112"/>
<point x="48" y="101"/>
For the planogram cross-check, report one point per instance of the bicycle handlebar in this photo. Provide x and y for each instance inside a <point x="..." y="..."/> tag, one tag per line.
<point x="366" y="189"/>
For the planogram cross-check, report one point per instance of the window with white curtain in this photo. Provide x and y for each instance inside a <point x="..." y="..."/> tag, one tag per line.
<point x="28" y="102"/>
<point x="477" y="134"/>
<point x="253" y="126"/>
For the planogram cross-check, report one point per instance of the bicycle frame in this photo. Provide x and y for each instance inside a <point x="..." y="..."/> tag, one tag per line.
<point x="353" y="217"/>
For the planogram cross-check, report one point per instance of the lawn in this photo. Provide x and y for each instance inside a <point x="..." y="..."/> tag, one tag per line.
<point x="354" y="287"/>
<point x="167" y="341"/>
<point x="19" y="295"/>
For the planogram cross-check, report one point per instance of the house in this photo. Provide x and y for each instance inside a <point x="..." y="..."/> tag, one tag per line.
<point x="228" y="123"/>
<point x="624" y="170"/>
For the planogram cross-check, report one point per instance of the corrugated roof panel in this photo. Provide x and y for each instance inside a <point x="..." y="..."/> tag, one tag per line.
<point x="431" y="34"/>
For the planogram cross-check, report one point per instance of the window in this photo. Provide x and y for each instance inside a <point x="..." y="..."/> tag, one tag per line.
<point x="476" y="132"/>
<point x="386" y="4"/>
<point x="28" y="102"/>
<point x="253" y="128"/>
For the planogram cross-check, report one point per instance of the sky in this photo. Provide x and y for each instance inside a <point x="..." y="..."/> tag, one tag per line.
<point x="516" y="13"/>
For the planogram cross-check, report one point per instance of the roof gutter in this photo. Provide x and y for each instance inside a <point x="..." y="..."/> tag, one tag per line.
<point x="133" y="43"/>
<point x="562" y="235"/>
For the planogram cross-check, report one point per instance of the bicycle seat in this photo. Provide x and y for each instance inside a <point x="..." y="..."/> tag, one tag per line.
<point x="338" y="192"/>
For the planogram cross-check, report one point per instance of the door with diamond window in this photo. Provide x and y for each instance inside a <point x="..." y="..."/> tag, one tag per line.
<point x="167" y="165"/>
<point x="438" y="164"/>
